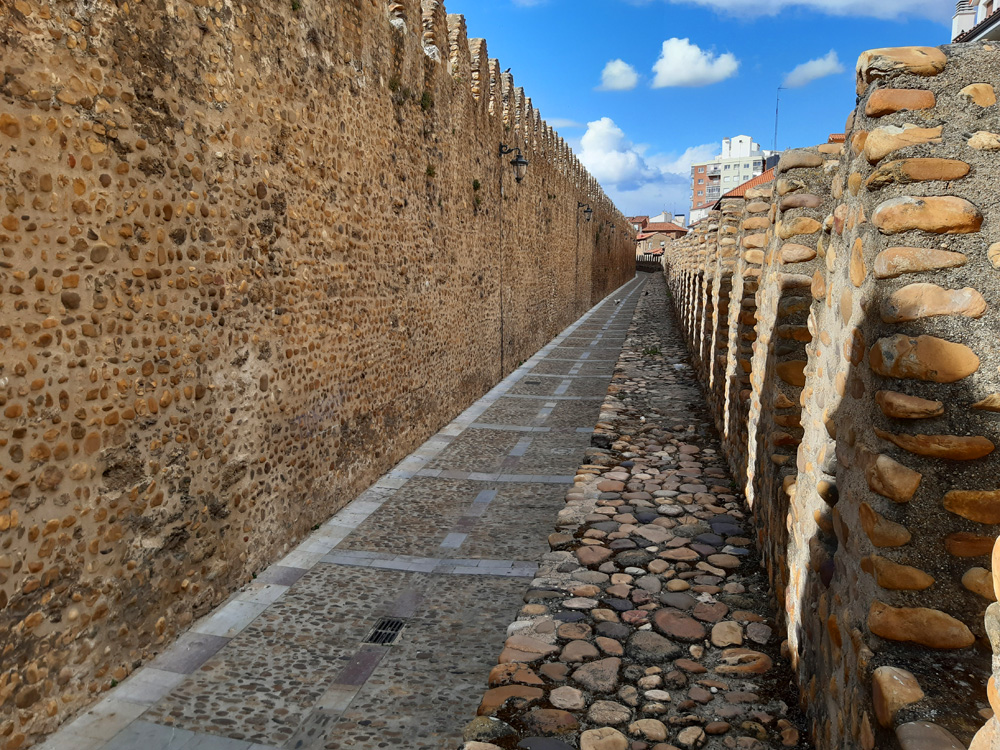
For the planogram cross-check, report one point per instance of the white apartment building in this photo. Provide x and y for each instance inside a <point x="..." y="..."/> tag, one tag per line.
<point x="741" y="160"/>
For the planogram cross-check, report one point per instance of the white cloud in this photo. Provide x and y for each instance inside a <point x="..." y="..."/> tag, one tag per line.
<point x="618" y="75"/>
<point x="935" y="10"/>
<point x="813" y="70"/>
<point x="562" y="122"/>
<point x="610" y="156"/>
<point x="682" y="63"/>
<point x="639" y="182"/>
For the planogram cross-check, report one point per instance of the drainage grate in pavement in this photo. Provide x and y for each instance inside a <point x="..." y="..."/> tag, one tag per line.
<point x="386" y="631"/>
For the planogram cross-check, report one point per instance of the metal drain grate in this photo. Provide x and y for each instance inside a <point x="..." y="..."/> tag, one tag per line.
<point x="385" y="632"/>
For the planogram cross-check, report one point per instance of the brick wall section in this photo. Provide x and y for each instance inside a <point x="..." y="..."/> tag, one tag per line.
<point x="880" y="545"/>
<point x="250" y="257"/>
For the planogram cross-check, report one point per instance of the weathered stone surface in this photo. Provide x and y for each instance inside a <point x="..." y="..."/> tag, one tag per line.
<point x="926" y="627"/>
<point x="893" y="689"/>
<point x="549" y="722"/>
<point x="880" y="530"/>
<point x="981" y="506"/>
<point x="903" y="406"/>
<point x="980" y="581"/>
<point x="981" y="94"/>
<point x="917" y="301"/>
<point x="679" y="626"/>
<point x="983" y="140"/>
<point x="599" y="676"/>
<point x="883" y="141"/>
<point x="648" y="729"/>
<point x="800" y="200"/>
<point x="990" y="403"/>
<point x="486" y="728"/>
<point x="891" y="479"/>
<point x="935" y="214"/>
<point x="799" y="159"/>
<point x="608" y="713"/>
<point x="743" y="661"/>
<point x="922" y="735"/>
<point x="906" y="171"/>
<point x="726" y="634"/>
<point x="887" y="101"/>
<point x="603" y="739"/>
<point x="647" y="647"/>
<point x="592" y="554"/>
<point x="568" y="698"/>
<point x="922" y="358"/>
<point x="792" y="372"/>
<point x="519" y="694"/>
<point x="967" y="544"/>
<point x="886" y="62"/>
<point x="993" y="255"/>
<point x="899" y="260"/>
<point x="798" y="226"/>
<point x="792" y="253"/>
<point x="954" y="447"/>
<point x="896" y="577"/>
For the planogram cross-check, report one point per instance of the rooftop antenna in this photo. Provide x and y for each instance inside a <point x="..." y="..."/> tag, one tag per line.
<point x="777" y="109"/>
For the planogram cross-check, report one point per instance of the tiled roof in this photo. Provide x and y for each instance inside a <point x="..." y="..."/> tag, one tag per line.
<point x="665" y="226"/>
<point x="982" y="26"/>
<point x="761" y="179"/>
<point x="837" y="138"/>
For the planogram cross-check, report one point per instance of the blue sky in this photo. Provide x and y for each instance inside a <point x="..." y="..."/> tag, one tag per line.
<point x="685" y="74"/>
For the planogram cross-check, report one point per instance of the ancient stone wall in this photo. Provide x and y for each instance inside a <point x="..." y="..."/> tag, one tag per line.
<point x="250" y="256"/>
<point x="869" y="450"/>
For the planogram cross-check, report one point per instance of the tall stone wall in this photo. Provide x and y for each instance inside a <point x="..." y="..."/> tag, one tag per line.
<point x="250" y="256"/>
<point x="871" y="403"/>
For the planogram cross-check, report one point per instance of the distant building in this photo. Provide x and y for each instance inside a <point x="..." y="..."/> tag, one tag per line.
<point x="653" y="236"/>
<point x="741" y="160"/>
<point x="976" y="20"/>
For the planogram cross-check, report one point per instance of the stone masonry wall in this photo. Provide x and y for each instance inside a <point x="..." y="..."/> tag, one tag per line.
<point x="869" y="451"/>
<point x="250" y="256"/>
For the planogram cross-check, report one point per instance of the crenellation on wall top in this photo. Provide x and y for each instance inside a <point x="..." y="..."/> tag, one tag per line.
<point x="459" y="49"/>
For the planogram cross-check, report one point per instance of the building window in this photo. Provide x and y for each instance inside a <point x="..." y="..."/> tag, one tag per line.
<point x="701" y="192"/>
<point x="701" y="169"/>
<point x="701" y="182"/>
<point x="728" y="166"/>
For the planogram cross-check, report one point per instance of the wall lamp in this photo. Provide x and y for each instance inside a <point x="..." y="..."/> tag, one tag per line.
<point x="519" y="163"/>
<point x="588" y="212"/>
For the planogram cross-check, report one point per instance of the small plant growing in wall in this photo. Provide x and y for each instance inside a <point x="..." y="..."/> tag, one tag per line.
<point x="476" y="185"/>
<point x="431" y="171"/>
<point x="426" y="101"/>
<point x="296" y="5"/>
<point x="651" y="351"/>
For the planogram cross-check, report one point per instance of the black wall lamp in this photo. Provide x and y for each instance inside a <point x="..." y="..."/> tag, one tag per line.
<point x="519" y="163"/>
<point x="588" y="212"/>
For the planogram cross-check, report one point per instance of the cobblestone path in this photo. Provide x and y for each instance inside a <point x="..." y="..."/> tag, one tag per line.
<point x="447" y="543"/>
<point x="649" y="625"/>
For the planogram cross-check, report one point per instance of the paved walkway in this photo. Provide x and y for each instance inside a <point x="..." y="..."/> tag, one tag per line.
<point x="444" y="545"/>
<point x="648" y="626"/>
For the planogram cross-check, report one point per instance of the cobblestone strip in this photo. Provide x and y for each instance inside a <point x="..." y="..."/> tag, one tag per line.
<point x="647" y="626"/>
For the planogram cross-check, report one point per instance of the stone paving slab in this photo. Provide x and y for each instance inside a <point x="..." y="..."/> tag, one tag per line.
<point x="445" y="541"/>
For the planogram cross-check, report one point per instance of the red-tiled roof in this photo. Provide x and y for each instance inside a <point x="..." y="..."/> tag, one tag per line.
<point x="981" y="26"/>
<point x="637" y="219"/>
<point x="837" y="138"/>
<point x="664" y="226"/>
<point x="761" y="179"/>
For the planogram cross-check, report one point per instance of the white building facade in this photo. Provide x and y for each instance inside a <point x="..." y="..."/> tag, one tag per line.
<point x="741" y="160"/>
